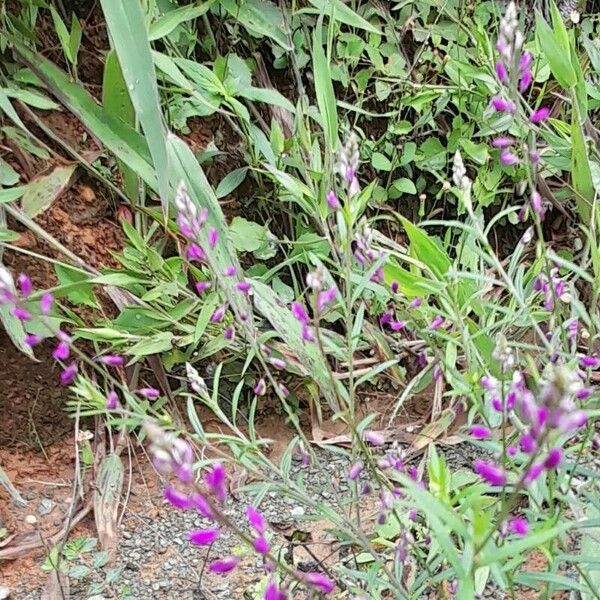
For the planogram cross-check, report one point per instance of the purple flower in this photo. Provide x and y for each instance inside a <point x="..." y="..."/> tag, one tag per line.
<point x="256" y="520"/>
<point x="213" y="237"/>
<point x="397" y="325"/>
<point x="511" y="451"/>
<point x="229" y="332"/>
<point x="25" y="285"/>
<point x="32" y="340"/>
<point x="415" y="303"/>
<point x="21" y="313"/>
<point x="502" y="142"/>
<point x="519" y="526"/>
<point x="502" y="105"/>
<point x="202" y="286"/>
<point x="195" y="253"/>
<point x="215" y="480"/>
<point x="553" y="459"/>
<point x="203" y="537"/>
<point x="229" y="271"/>
<point x="177" y="499"/>
<point x="489" y="383"/>
<point x="437" y="322"/>
<point x="490" y="472"/>
<point x="278" y="363"/>
<point x="527" y="443"/>
<point x="62" y="351"/>
<point x="299" y="312"/>
<point x="332" y="200"/>
<point x="326" y="297"/>
<point x="202" y="505"/>
<point x="272" y="592"/>
<point x="355" y="470"/>
<point x="589" y="362"/>
<point x="539" y="115"/>
<point x="261" y="545"/>
<point x="150" y="393"/>
<point x="307" y="334"/>
<point x="112" y="400"/>
<point x="525" y="60"/>
<point x="375" y="438"/>
<point x="112" y="360"/>
<point x="507" y="158"/>
<point x="534" y="472"/>
<point x="501" y="72"/>
<point x="68" y="375"/>
<point x="219" y="314"/>
<point x="319" y="581"/>
<point x="394" y="286"/>
<point x="525" y="81"/>
<point x="260" y="387"/>
<point x="479" y="432"/>
<point x="243" y="286"/>
<point x="224" y="565"/>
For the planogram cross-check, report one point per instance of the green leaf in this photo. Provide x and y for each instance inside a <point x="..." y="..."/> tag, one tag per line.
<point x="74" y="38"/>
<point x="581" y="171"/>
<point x="161" y="342"/>
<point x="43" y="191"/>
<point x="555" y="46"/>
<point x="404" y="186"/>
<point x="8" y="176"/>
<point x="246" y="236"/>
<point x="130" y="40"/>
<point x="230" y="182"/>
<point x="590" y="546"/>
<point x="166" y="23"/>
<point x="116" y="102"/>
<point x="381" y="162"/>
<point x="426" y="249"/>
<point x="344" y="14"/>
<point x="11" y="194"/>
<point x="410" y="284"/>
<point x="123" y="141"/>
<point x="15" y="329"/>
<point x="260" y="18"/>
<point x="33" y="98"/>
<point x="324" y="90"/>
<point x="62" y="32"/>
<point x="267" y="95"/>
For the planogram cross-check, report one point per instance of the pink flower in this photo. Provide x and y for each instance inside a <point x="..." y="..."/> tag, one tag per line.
<point x="589" y="362"/>
<point x="502" y="105"/>
<point x="229" y="271"/>
<point x="62" y="351"/>
<point x="574" y="420"/>
<point x="256" y="520"/>
<point x="219" y="314"/>
<point x="203" y="537"/>
<point x="319" y="581"/>
<point x="415" y="303"/>
<point x="519" y="526"/>
<point x="213" y="237"/>
<point x="525" y="81"/>
<point x="553" y="459"/>
<point x="502" y="142"/>
<point x="149" y="393"/>
<point x="527" y="443"/>
<point x="202" y="286"/>
<point x="112" y="400"/>
<point x="397" y="325"/>
<point x="177" y="499"/>
<point x="375" y="438"/>
<point x="332" y="200"/>
<point x="261" y="545"/>
<point x="243" y="286"/>
<point x="507" y="158"/>
<point x="525" y="60"/>
<point x="68" y="375"/>
<point x="278" y="363"/>
<point x="437" y="322"/>
<point x="355" y="470"/>
<point x="534" y="472"/>
<point x="490" y="472"/>
<point x="215" y="480"/>
<point x="511" y="451"/>
<point x="272" y="592"/>
<point x="112" y="360"/>
<point x="32" y="340"/>
<point x="203" y="506"/>
<point x="299" y="312"/>
<point x="21" y="313"/>
<point x="260" y="387"/>
<point x="326" y="297"/>
<point x="480" y="432"/>
<point x="195" y="253"/>
<point x="539" y="115"/>
<point x="224" y="565"/>
<point x="25" y="285"/>
<point x="501" y="72"/>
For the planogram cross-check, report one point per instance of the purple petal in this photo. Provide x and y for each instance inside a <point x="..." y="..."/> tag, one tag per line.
<point x="62" y="351"/>
<point x="243" y="286"/>
<point x="21" y="313"/>
<point x="479" y="432"/>
<point x="112" y="400"/>
<point x="589" y="362"/>
<point x="375" y="438"/>
<point x="256" y="520"/>
<point x="299" y="312"/>
<point x="203" y="537"/>
<point x="553" y="459"/>
<point x="519" y="526"/>
<point x="112" y="360"/>
<point x="32" y="340"/>
<point x="332" y="200"/>
<point x="502" y="142"/>
<point x="68" y="375"/>
<point x="490" y="472"/>
<point x="224" y="565"/>
<point x="261" y="545"/>
<point x="25" y="284"/>
<point x="213" y="237"/>
<point x="203" y="506"/>
<point x="202" y="286"/>
<point x="539" y="115"/>
<point x="355" y="470"/>
<point x="501" y="72"/>
<point x="278" y="363"/>
<point x="177" y="499"/>
<point x="319" y="581"/>
<point x="149" y="393"/>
